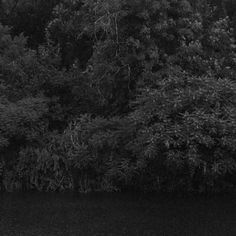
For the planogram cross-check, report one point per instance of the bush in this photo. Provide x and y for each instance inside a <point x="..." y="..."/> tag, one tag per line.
<point x="187" y="123"/>
<point x="95" y="149"/>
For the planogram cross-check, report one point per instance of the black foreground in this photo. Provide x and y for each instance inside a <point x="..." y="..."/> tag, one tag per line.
<point x="116" y="214"/>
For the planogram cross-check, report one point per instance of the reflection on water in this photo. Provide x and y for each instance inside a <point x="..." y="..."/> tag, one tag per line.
<point x="116" y="214"/>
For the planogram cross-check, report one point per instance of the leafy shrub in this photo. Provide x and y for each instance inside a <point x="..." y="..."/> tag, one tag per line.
<point x="42" y="168"/>
<point x="95" y="149"/>
<point x="188" y="124"/>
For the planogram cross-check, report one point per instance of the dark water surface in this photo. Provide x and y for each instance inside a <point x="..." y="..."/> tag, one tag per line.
<point x="116" y="214"/>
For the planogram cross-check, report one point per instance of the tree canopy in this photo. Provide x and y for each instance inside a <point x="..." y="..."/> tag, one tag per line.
<point x="118" y="95"/>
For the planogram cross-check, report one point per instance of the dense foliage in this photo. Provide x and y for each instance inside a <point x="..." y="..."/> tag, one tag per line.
<point x="118" y="95"/>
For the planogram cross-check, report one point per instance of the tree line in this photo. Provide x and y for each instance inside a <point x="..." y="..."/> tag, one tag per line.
<point x="116" y="95"/>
